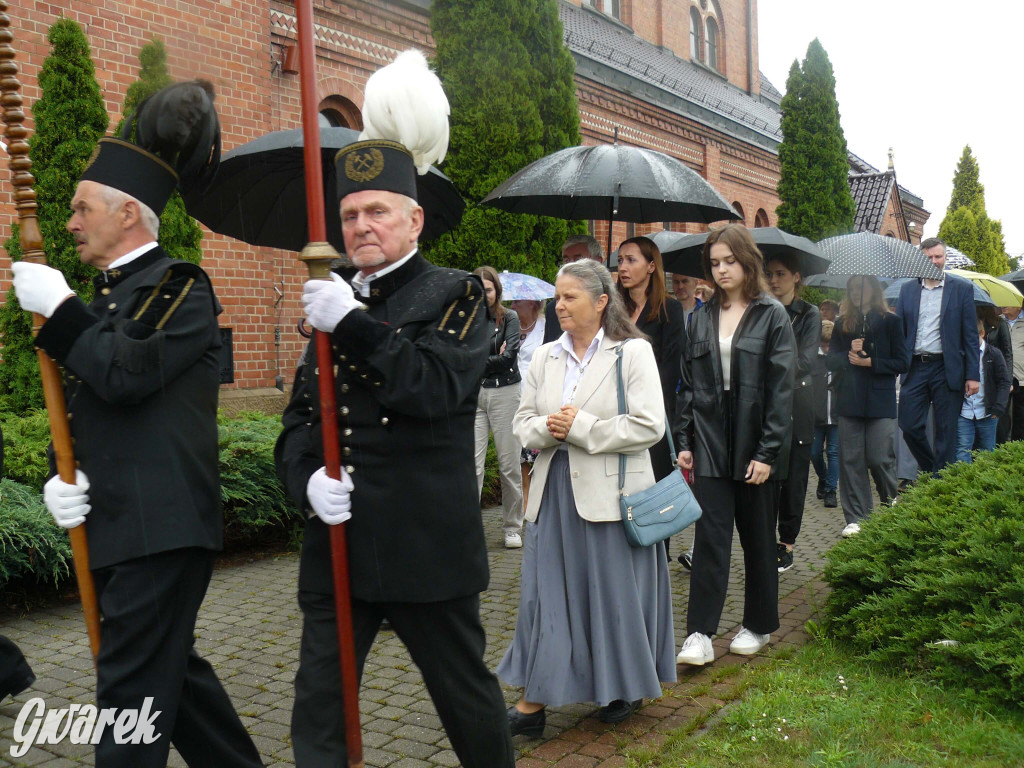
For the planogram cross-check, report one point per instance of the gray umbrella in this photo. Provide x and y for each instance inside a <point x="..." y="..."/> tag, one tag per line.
<point x="1016" y="278"/>
<point x="684" y="253"/>
<point x="614" y="182"/>
<point x="865" y="253"/>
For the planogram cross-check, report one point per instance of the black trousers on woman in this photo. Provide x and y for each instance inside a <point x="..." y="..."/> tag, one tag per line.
<point x="793" y="493"/>
<point x="726" y="502"/>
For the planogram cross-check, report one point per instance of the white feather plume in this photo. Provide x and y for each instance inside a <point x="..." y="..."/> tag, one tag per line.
<point x="405" y="102"/>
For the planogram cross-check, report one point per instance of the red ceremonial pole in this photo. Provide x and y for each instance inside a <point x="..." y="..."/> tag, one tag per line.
<point x="318" y="254"/>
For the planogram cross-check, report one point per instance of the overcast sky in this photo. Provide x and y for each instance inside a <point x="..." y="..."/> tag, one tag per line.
<point x="925" y="77"/>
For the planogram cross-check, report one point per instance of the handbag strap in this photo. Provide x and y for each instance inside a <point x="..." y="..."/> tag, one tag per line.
<point x="622" y="410"/>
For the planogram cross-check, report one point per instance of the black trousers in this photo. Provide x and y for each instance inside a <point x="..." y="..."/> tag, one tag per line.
<point x="446" y="641"/>
<point x="148" y="608"/>
<point x="793" y="493"/>
<point x="1016" y="410"/>
<point x="751" y="507"/>
<point x="15" y="673"/>
<point x="926" y="386"/>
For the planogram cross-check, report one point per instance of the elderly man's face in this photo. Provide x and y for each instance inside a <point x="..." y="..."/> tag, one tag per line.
<point x="575" y="252"/>
<point x="937" y="254"/>
<point x="379" y="228"/>
<point x="97" y="229"/>
<point x="682" y="286"/>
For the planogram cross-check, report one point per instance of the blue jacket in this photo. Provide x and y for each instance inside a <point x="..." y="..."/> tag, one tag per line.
<point x="868" y="392"/>
<point x="958" y="328"/>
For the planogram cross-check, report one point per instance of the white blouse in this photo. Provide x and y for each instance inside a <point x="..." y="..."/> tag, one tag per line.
<point x="725" y="347"/>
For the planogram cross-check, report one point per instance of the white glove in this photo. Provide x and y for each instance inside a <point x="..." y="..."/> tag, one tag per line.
<point x="327" y="302"/>
<point x="330" y="498"/>
<point x="69" y="504"/>
<point x="39" y="288"/>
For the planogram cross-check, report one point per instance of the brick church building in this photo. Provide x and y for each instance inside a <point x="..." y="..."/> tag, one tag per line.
<point x="679" y="76"/>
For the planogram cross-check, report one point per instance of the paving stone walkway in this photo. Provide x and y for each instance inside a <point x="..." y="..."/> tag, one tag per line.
<point x="249" y="630"/>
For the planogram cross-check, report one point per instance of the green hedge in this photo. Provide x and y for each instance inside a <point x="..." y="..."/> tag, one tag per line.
<point x="256" y="509"/>
<point x="946" y="563"/>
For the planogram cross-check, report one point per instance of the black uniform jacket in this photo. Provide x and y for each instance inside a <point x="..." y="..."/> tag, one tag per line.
<point x="142" y="370"/>
<point x="868" y="392"/>
<point x="667" y="333"/>
<point x="761" y="391"/>
<point x="807" y="330"/>
<point x="408" y="375"/>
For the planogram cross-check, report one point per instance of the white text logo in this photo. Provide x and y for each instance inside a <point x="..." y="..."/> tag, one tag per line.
<point x="81" y="725"/>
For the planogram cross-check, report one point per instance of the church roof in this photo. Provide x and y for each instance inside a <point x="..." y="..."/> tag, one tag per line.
<point x="606" y="51"/>
<point x="871" y="192"/>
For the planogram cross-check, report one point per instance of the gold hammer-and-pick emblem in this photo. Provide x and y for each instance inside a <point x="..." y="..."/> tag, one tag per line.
<point x="364" y="166"/>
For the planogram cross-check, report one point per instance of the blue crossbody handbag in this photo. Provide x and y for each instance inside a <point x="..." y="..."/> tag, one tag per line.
<point x="664" y="509"/>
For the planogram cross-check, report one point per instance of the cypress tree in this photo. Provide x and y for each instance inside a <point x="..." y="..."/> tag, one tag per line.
<point x="69" y="119"/>
<point x="509" y="80"/>
<point x="180" y="235"/>
<point x="813" y="186"/>
<point x="967" y="226"/>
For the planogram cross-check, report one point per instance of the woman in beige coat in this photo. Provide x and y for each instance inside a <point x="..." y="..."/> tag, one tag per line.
<point x="595" y="615"/>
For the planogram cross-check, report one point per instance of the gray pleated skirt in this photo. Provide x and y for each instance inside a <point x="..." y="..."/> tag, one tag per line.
<point x="595" y="614"/>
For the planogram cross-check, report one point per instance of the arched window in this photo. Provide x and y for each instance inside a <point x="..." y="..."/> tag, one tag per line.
<point x="739" y="210"/>
<point x="761" y="218"/>
<point x="695" y="34"/>
<point x="712" y="43"/>
<point x="339" y="112"/>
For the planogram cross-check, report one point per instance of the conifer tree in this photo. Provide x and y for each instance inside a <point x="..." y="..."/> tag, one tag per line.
<point x="509" y="79"/>
<point x="813" y="186"/>
<point x="967" y="226"/>
<point x="180" y="235"/>
<point x="69" y="119"/>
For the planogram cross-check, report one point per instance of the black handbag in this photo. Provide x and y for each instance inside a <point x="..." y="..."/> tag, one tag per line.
<point x="664" y="509"/>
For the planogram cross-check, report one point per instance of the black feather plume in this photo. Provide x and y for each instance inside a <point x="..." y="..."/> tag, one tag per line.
<point x="179" y="125"/>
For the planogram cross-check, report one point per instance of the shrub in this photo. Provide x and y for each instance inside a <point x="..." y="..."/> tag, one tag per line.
<point x="26" y="437"/>
<point x="255" y="503"/>
<point x="32" y="548"/>
<point x="947" y="563"/>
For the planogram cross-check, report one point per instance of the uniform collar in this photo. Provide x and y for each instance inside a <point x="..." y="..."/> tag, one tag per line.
<point x="374" y="285"/>
<point x="139" y="260"/>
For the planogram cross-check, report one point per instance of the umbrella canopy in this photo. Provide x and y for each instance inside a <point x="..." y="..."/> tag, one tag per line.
<point x="684" y="253"/>
<point x="865" y="253"/>
<point x="259" y="195"/>
<point x="1017" y="278"/>
<point x="516" y="286"/>
<point x="981" y="299"/>
<point x="1004" y="294"/>
<point x="958" y="259"/>
<point x="613" y="182"/>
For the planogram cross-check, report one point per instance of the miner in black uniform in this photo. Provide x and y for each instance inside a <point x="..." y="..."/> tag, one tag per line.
<point x="410" y="342"/>
<point x="141" y="362"/>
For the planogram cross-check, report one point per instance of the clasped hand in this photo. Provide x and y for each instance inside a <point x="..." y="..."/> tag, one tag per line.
<point x="560" y="423"/>
<point x="856" y="355"/>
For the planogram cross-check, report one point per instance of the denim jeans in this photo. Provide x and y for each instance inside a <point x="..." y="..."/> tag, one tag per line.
<point x="825" y="454"/>
<point x="974" y="434"/>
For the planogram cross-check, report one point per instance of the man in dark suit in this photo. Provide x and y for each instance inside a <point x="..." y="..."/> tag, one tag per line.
<point x="940" y="328"/>
<point x="576" y="247"/>
<point x="408" y="374"/>
<point x="142" y="367"/>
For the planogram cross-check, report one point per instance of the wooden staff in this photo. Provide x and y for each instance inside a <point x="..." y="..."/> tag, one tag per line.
<point x="318" y="255"/>
<point x="32" y="250"/>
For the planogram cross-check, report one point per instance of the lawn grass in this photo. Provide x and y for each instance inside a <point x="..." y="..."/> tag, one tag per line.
<point x="820" y="708"/>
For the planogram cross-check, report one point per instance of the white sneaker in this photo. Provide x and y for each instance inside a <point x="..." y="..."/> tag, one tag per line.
<point x="513" y="541"/>
<point x="696" y="650"/>
<point x="851" y="530"/>
<point x="747" y="643"/>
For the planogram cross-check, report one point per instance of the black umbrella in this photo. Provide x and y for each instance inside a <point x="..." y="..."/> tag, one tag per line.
<point x="1016" y="278"/>
<point x="614" y="182"/>
<point x="683" y="253"/>
<point x="259" y="195"/>
<point x="865" y="253"/>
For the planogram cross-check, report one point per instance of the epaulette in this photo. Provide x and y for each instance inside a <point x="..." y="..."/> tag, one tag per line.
<point x="463" y="308"/>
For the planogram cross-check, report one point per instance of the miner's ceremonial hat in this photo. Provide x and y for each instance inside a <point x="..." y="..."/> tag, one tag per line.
<point x="128" y="167"/>
<point x="375" y="164"/>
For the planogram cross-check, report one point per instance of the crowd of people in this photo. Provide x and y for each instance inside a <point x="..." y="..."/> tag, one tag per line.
<point x="752" y="383"/>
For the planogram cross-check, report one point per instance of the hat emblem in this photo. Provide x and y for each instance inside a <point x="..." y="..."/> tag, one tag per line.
<point x="364" y="166"/>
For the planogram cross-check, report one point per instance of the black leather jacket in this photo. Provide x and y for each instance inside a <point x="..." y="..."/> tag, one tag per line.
<point x="761" y="391"/>
<point x="503" y="367"/>
<point x="807" y="330"/>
